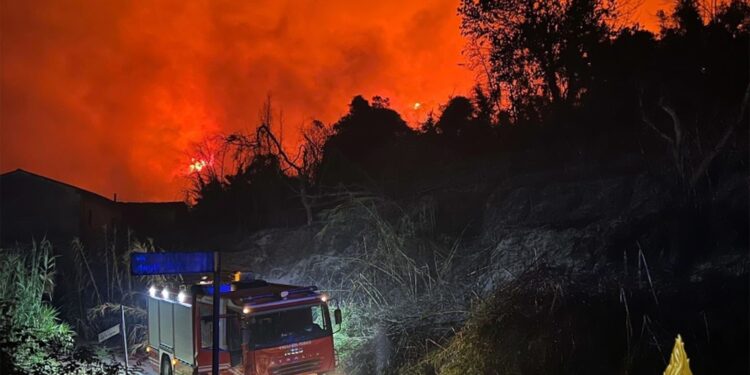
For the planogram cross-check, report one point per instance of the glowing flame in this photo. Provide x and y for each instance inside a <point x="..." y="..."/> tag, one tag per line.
<point x="197" y="165"/>
<point x="417" y="105"/>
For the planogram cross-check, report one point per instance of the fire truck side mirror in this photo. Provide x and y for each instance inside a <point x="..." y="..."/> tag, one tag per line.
<point x="337" y="316"/>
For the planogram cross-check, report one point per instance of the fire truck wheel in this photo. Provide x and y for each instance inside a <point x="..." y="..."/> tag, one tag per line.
<point x="166" y="367"/>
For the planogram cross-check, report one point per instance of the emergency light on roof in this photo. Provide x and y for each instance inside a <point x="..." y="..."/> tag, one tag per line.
<point x="224" y="288"/>
<point x="165" y="293"/>
<point x="152" y="291"/>
<point x="181" y="297"/>
<point x="243" y="276"/>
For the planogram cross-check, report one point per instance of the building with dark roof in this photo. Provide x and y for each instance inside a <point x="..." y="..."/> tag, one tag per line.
<point x="34" y="206"/>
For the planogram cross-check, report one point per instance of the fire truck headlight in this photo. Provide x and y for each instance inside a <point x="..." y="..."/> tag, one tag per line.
<point x="165" y="293"/>
<point x="152" y="291"/>
<point x="246" y="310"/>
<point x="181" y="297"/>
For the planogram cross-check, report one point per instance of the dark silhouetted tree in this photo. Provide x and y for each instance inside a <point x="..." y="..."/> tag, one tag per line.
<point x="428" y="127"/>
<point x="356" y="136"/>
<point x="685" y="19"/>
<point x="698" y="94"/>
<point x="456" y="117"/>
<point x="733" y="17"/>
<point x="258" y="189"/>
<point x="486" y="109"/>
<point x="539" y="51"/>
<point x="380" y="102"/>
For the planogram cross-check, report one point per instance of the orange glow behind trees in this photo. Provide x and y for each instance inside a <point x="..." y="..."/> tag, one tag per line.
<point x="114" y="97"/>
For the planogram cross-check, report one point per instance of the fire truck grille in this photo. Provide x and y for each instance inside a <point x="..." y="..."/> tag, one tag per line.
<point x="302" y="367"/>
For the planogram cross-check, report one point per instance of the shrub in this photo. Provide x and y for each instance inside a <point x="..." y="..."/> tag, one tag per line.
<point x="32" y="339"/>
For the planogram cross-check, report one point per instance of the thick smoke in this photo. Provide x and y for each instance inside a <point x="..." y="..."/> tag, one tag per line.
<point x="112" y="96"/>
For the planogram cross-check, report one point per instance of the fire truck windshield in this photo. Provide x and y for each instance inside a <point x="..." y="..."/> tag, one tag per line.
<point x="282" y="327"/>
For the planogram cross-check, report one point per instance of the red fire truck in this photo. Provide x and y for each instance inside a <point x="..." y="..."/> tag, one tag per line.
<point x="264" y="328"/>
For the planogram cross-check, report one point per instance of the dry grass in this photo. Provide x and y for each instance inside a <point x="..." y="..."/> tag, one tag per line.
<point x="393" y="281"/>
<point x="491" y="342"/>
<point x="111" y="286"/>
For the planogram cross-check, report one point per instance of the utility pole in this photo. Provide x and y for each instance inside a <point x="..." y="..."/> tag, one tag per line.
<point x="124" y="334"/>
<point x="217" y="293"/>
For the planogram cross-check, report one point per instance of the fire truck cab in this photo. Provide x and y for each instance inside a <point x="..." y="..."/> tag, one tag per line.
<point x="264" y="328"/>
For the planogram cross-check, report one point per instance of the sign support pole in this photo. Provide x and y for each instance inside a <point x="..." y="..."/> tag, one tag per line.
<point x="216" y="296"/>
<point x="124" y="336"/>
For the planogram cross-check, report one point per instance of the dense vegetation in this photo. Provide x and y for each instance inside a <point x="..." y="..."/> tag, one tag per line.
<point x="33" y="340"/>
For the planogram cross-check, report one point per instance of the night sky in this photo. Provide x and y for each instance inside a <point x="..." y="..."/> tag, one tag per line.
<point x="113" y="97"/>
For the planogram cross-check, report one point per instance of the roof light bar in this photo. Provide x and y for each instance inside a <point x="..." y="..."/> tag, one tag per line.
<point x="309" y="289"/>
<point x="258" y="297"/>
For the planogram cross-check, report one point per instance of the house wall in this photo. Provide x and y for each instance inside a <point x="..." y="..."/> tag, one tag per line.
<point x="96" y="214"/>
<point x="33" y="208"/>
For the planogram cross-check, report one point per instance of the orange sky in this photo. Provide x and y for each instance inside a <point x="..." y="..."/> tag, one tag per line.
<point x="112" y="96"/>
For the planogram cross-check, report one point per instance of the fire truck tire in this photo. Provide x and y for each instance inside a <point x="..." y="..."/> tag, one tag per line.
<point x="166" y="366"/>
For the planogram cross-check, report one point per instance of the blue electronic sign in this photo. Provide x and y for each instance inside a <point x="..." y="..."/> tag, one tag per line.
<point x="171" y="263"/>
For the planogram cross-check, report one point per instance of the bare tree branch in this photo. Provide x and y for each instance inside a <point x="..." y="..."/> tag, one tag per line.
<point x="265" y="131"/>
<point x="646" y="120"/>
<point x="676" y="124"/>
<point x="703" y="166"/>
